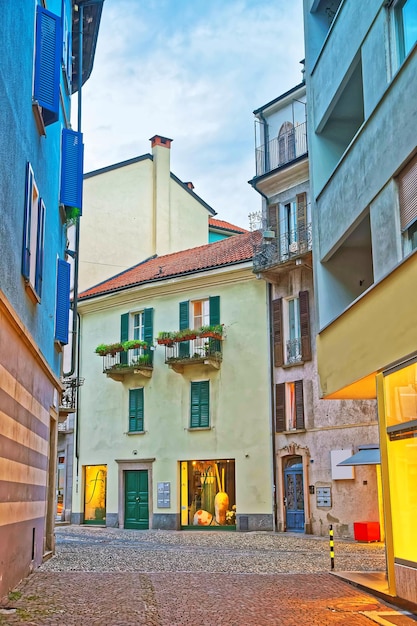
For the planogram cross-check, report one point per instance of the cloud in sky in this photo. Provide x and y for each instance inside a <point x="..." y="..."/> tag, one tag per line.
<point x="191" y="70"/>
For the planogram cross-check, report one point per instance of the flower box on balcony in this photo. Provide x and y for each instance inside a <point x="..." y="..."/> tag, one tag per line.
<point x="113" y="348"/>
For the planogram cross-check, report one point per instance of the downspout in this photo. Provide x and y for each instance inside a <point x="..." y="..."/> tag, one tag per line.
<point x="271" y="369"/>
<point x="266" y="141"/>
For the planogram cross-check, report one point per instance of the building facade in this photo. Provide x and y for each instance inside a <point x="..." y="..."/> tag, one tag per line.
<point x="173" y="431"/>
<point x="364" y="202"/>
<point x="41" y="184"/>
<point x="310" y="436"/>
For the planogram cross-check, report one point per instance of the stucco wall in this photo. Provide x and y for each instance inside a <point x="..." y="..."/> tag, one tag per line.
<point x="239" y="393"/>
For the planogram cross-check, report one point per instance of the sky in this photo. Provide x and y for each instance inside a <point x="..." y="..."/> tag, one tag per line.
<point x="193" y="71"/>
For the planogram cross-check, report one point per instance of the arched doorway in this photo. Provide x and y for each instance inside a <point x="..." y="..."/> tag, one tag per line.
<point x="294" y="494"/>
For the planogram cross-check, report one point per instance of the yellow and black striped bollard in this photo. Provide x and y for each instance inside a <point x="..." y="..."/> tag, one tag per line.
<point x="331" y="547"/>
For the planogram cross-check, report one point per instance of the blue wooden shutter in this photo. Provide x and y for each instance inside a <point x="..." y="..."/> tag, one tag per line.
<point x="40" y="248"/>
<point x="26" y="223"/>
<point x="184" y="347"/>
<point x="72" y="165"/>
<point x="62" y="301"/>
<point x="124" y="335"/>
<point x="148" y="331"/>
<point x="200" y="404"/>
<point x="136" y="409"/>
<point x="214" y="312"/>
<point x="48" y="44"/>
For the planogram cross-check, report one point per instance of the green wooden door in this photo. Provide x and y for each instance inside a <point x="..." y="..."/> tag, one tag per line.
<point x="136" y="500"/>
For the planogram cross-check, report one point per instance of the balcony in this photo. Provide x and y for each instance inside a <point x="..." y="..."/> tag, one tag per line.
<point x="283" y="250"/>
<point x="282" y="150"/>
<point x="120" y="363"/>
<point x="205" y="351"/>
<point x="68" y="402"/>
<point x="293" y="350"/>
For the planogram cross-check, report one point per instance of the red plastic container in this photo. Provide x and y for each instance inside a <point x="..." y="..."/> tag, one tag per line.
<point x="366" y="531"/>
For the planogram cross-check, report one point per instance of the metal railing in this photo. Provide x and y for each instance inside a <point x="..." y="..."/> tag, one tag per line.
<point x="290" y="245"/>
<point x="282" y="149"/>
<point x="195" y="349"/>
<point x="69" y="395"/>
<point x="137" y="357"/>
<point x="294" y="354"/>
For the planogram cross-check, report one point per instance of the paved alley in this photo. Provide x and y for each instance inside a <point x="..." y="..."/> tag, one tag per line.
<point x="116" y="577"/>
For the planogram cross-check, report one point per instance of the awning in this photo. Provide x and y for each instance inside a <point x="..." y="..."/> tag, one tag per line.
<point x="366" y="455"/>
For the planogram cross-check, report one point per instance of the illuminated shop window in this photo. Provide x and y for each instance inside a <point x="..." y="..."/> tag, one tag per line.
<point x="208" y="493"/>
<point x="400" y="389"/>
<point x="95" y="494"/>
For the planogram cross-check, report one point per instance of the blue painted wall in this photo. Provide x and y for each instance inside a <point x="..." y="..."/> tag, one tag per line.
<point x="21" y="142"/>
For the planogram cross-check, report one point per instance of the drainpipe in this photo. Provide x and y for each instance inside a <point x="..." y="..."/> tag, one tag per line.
<point x="271" y="369"/>
<point x="266" y="141"/>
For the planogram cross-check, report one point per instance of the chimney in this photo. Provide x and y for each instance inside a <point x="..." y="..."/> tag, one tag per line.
<point x="161" y="193"/>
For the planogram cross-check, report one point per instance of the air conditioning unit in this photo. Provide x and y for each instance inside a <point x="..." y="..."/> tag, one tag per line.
<point x="293" y="247"/>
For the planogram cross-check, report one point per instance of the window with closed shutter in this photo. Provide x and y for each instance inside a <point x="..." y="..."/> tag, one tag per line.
<point x="62" y="306"/>
<point x="407" y="188"/>
<point x="72" y="167"/>
<point x="200" y="404"/>
<point x="136" y="410"/>
<point x="278" y="339"/>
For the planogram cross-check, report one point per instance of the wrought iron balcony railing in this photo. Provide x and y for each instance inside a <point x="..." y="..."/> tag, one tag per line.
<point x="69" y="395"/>
<point x="137" y="358"/>
<point x="288" y="246"/>
<point x="194" y="352"/>
<point x="281" y="150"/>
<point x="294" y="354"/>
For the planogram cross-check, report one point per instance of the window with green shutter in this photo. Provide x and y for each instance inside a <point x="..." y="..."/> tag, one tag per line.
<point x="200" y="404"/>
<point x="136" y="410"/>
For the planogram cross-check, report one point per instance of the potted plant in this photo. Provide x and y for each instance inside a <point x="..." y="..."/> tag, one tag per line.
<point x="165" y="338"/>
<point x="109" y="348"/>
<point x="215" y="331"/>
<point x="186" y="334"/>
<point x="131" y="344"/>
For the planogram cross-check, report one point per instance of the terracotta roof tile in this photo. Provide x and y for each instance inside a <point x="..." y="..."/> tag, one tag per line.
<point x="235" y="249"/>
<point x="214" y="223"/>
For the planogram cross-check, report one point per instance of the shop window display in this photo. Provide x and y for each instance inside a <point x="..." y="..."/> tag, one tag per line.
<point x="95" y="494"/>
<point x="208" y="493"/>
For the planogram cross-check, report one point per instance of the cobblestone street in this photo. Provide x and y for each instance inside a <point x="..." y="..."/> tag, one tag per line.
<point x="116" y="577"/>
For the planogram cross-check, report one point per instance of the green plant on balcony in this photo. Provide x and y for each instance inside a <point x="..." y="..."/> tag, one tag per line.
<point x="142" y="359"/>
<point x="132" y="344"/>
<point x="109" y="348"/>
<point x="164" y="338"/>
<point x="215" y="331"/>
<point x="186" y="334"/>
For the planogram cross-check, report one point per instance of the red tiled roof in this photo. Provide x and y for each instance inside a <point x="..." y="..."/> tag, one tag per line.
<point x="235" y="249"/>
<point x="225" y="225"/>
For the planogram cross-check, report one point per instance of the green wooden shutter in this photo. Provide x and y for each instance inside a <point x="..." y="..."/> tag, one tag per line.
<point x="305" y="326"/>
<point x="124" y="335"/>
<point x="214" y="312"/>
<point x="200" y="404"/>
<point x="184" y="346"/>
<point x="277" y="331"/>
<point x="148" y="331"/>
<point x="299" y="404"/>
<point x="136" y="410"/>
<point x="280" y="407"/>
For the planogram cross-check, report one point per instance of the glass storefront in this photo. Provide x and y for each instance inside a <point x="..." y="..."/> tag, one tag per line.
<point x="95" y="494"/>
<point x="400" y="388"/>
<point x="208" y="496"/>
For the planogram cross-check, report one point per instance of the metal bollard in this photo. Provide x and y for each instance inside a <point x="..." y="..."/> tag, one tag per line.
<point x="331" y="547"/>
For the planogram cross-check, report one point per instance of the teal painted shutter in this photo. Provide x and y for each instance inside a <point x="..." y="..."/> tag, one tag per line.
<point x="299" y="404"/>
<point x="124" y="335"/>
<point x="136" y="410"/>
<point x="26" y="224"/>
<point x="72" y="166"/>
<point x="305" y="326"/>
<point x="214" y="311"/>
<point x="280" y="407"/>
<point x="184" y="346"/>
<point x="62" y="301"/>
<point x="40" y="248"/>
<point x="48" y="42"/>
<point x="148" y="330"/>
<point x="200" y="404"/>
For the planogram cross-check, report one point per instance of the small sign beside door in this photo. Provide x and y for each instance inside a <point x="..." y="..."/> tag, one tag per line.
<point x="164" y="496"/>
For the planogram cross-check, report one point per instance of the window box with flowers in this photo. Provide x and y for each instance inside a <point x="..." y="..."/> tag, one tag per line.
<point x="125" y="358"/>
